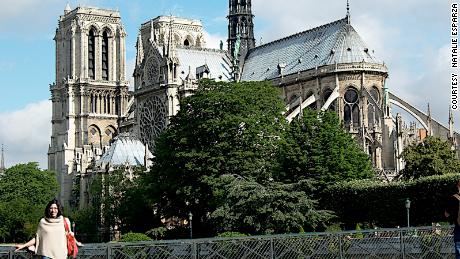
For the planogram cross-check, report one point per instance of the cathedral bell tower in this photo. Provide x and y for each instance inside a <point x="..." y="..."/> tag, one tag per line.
<point x="90" y="93"/>
<point x="240" y="33"/>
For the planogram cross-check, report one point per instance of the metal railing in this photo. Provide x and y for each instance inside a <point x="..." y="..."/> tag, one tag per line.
<point x="410" y="243"/>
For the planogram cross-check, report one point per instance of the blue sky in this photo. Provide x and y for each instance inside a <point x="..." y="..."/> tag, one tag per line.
<point x="411" y="37"/>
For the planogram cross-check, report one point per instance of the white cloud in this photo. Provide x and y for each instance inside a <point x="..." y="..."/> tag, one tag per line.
<point x="213" y="40"/>
<point x="375" y="34"/>
<point x="26" y="133"/>
<point x="434" y="85"/>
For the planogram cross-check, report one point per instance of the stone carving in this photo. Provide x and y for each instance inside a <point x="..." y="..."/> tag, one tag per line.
<point x="103" y="19"/>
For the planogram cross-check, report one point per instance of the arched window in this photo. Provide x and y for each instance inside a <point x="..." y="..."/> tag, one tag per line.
<point x="69" y="54"/>
<point x="186" y="42"/>
<point x="105" y="56"/>
<point x="374" y="92"/>
<point x="91" y="103"/>
<point x="108" y="134"/>
<point x="351" y="108"/>
<point x="94" y="136"/>
<point x="177" y="40"/>
<point x="328" y="93"/>
<point x="116" y="105"/>
<point x="91" y="49"/>
<point x="371" y="116"/>
<point x="372" y="111"/>
<point x="243" y="26"/>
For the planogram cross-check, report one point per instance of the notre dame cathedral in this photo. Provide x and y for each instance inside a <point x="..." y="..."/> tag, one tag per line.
<point x="98" y="125"/>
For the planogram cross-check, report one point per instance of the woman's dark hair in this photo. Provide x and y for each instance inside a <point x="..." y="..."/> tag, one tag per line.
<point x="47" y="209"/>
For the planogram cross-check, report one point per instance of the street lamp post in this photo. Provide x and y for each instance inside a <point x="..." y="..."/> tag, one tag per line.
<point x="73" y="228"/>
<point x="190" y="217"/>
<point x="408" y="208"/>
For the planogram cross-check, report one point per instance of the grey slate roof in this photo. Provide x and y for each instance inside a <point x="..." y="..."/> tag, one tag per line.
<point x="124" y="150"/>
<point x="336" y="42"/>
<point x="216" y="60"/>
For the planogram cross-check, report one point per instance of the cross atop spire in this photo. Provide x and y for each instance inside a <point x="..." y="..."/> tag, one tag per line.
<point x="348" y="11"/>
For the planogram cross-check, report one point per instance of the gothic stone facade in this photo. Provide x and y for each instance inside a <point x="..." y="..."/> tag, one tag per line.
<point x="90" y="93"/>
<point x="171" y="56"/>
<point x="327" y="67"/>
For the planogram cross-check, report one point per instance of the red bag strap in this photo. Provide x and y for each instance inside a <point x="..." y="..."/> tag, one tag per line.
<point x="67" y="230"/>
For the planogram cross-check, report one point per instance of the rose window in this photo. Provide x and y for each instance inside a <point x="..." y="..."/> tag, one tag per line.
<point x="152" y="120"/>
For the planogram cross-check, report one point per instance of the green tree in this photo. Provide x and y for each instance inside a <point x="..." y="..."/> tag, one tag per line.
<point x="224" y="128"/>
<point x="226" y="132"/>
<point x="25" y="191"/>
<point x="271" y="208"/>
<point x="117" y="200"/>
<point x="135" y="213"/>
<point x="87" y="222"/>
<point x="432" y="156"/>
<point x="318" y="148"/>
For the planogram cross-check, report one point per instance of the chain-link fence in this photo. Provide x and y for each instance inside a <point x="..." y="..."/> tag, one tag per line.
<point x="422" y="242"/>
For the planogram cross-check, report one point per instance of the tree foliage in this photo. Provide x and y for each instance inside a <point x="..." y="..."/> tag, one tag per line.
<point x="270" y="208"/>
<point x="318" y="148"/>
<point x="118" y="201"/>
<point x="432" y="156"/>
<point x="134" y="237"/>
<point x="24" y="192"/>
<point x="228" y="129"/>
<point x="383" y="204"/>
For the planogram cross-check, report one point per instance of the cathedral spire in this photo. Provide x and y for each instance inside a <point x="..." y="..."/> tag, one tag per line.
<point x="429" y="124"/>
<point x="429" y="111"/>
<point x="348" y="11"/>
<point x="240" y="32"/>
<point x="67" y="8"/>
<point x="140" y="50"/>
<point x="170" y="36"/>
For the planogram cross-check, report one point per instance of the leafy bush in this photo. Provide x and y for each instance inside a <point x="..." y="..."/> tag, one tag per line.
<point x="231" y="234"/>
<point x="134" y="237"/>
<point x="157" y="233"/>
<point x="335" y="227"/>
<point x="383" y="204"/>
<point x="432" y="156"/>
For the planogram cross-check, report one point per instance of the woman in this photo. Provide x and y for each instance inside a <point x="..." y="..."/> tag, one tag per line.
<point x="50" y="240"/>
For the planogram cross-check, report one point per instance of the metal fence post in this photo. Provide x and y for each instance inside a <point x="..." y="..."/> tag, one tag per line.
<point x="401" y="243"/>
<point x="272" y="250"/>
<point x="340" y="246"/>
<point x="109" y="251"/>
<point x="194" y="250"/>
